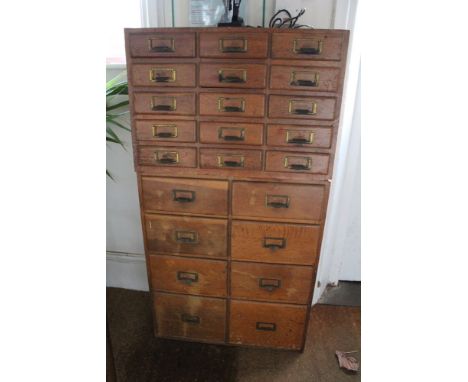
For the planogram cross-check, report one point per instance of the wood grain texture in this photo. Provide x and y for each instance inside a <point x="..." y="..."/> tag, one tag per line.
<point x="190" y="276"/>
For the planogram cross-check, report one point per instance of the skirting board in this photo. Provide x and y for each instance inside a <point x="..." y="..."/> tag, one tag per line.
<point x="126" y="270"/>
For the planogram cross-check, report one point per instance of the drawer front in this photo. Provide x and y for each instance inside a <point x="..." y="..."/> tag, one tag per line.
<point x="299" y="136"/>
<point x="275" y="243"/>
<point x="268" y="325"/>
<point x="192" y="276"/>
<point x="232" y="105"/>
<point x="167" y="156"/>
<point x="162" y="45"/>
<point x="231" y="159"/>
<point x="203" y="237"/>
<point x="208" y="197"/>
<point x="304" y="78"/>
<point x="165" y="131"/>
<point x="266" y="282"/>
<point x="200" y="318"/>
<point x="164" y="103"/>
<point x="234" y="45"/>
<point x="232" y="75"/>
<point x="316" y="46"/>
<point x="231" y="133"/>
<point x="278" y="201"/>
<point x="302" y="107"/>
<point x="164" y="75"/>
<point x="297" y="162"/>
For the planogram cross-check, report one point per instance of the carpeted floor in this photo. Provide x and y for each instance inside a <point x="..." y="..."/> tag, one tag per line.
<point x="140" y="357"/>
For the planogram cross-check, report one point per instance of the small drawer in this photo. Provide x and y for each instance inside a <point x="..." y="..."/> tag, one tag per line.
<point x="191" y="276"/>
<point x="231" y="159"/>
<point x="208" y="197"/>
<point x="164" y="75"/>
<point x="275" y="243"/>
<point x="231" y="133"/>
<point x="162" y="44"/>
<point x="278" y="201"/>
<point x="234" y="45"/>
<point x="164" y="103"/>
<point x="165" y="131"/>
<point x="266" y="324"/>
<point x="176" y="156"/>
<point x="199" y="318"/>
<point x="302" y="107"/>
<point x="267" y="282"/>
<point x="234" y="105"/>
<point x="299" y="136"/>
<point x="297" y="162"/>
<point x="186" y="235"/>
<point x="304" y="78"/>
<point x="232" y="75"/>
<point x="310" y="46"/>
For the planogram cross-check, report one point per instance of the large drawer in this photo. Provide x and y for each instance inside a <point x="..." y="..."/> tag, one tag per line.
<point x="297" y="162"/>
<point x="301" y="107"/>
<point x="267" y="282"/>
<point x="232" y="104"/>
<point x="299" y="136"/>
<point x="304" y="78"/>
<point x="204" y="237"/>
<point x="164" y="75"/>
<point x="316" y="46"/>
<point x="267" y="325"/>
<point x="275" y="243"/>
<point x="231" y="159"/>
<point x="176" y="156"/>
<point x="165" y="131"/>
<point x="234" y="45"/>
<point x="164" y="103"/>
<point x="233" y="75"/>
<point x="208" y="197"/>
<point x="231" y="133"/>
<point x="162" y="44"/>
<point x="191" y="276"/>
<point x="200" y="318"/>
<point x="278" y="201"/>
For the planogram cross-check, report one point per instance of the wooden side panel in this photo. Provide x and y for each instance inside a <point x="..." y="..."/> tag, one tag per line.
<point x="190" y="276"/>
<point x="198" y="318"/>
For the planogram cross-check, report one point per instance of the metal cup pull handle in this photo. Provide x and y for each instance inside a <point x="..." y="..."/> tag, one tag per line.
<point x="266" y="326"/>
<point x="160" y="103"/>
<point x="274" y="243"/>
<point x="306" y="46"/>
<point x="166" y="157"/>
<point x="269" y="284"/>
<point x="163" y="75"/>
<point x="166" y="131"/>
<point x="302" y="107"/>
<point x="186" y="237"/>
<point x="311" y="79"/>
<point x="298" y="163"/>
<point x="229" y="78"/>
<point x="231" y="161"/>
<point x="231" y="133"/>
<point x="161" y="44"/>
<point x="233" y="45"/>
<point x="187" y="277"/>
<point x="183" y="196"/>
<point x="231" y="105"/>
<point x="299" y="137"/>
<point x="185" y="317"/>
<point x="277" y="201"/>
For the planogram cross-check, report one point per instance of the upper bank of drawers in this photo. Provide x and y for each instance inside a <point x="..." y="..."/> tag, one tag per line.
<point x="325" y="46"/>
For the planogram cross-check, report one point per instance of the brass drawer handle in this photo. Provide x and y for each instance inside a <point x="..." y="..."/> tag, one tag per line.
<point x="186" y="237"/>
<point x="166" y="157"/>
<point x="269" y="284"/>
<point x="161" y="44"/>
<point x="163" y="105"/>
<point x="165" y="131"/>
<point x="233" y="45"/>
<point x="302" y="107"/>
<point x="183" y="196"/>
<point x="303" y="46"/>
<point x="230" y="105"/>
<point x="299" y="138"/>
<point x="189" y="318"/>
<point x="298" y="163"/>
<point x="230" y="78"/>
<point x="295" y="81"/>
<point x="162" y="75"/>
<point x="223" y="162"/>
<point x="231" y="133"/>
<point x="277" y="201"/>
<point x="274" y="243"/>
<point x="266" y="326"/>
<point x="187" y="277"/>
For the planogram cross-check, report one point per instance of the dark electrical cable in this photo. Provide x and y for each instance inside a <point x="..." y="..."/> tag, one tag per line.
<point x="287" y="22"/>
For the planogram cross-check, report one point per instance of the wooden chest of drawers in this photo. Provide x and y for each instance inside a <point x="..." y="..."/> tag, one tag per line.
<point x="234" y="133"/>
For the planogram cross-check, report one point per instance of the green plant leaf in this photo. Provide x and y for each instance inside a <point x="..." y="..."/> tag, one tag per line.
<point x="121" y="88"/>
<point x="114" y="122"/>
<point x="117" y="105"/>
<point x="117" y="79"/>
<point x="109" y="175"/>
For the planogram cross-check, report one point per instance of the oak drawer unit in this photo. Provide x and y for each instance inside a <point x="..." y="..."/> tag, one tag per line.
<point x="234" y="134"/>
